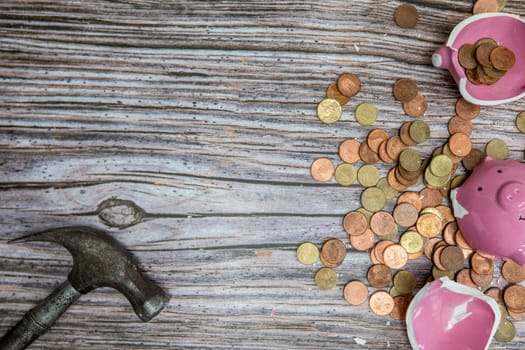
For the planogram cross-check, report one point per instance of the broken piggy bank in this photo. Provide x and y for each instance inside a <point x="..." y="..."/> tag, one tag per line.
<point x="490" y="208"/>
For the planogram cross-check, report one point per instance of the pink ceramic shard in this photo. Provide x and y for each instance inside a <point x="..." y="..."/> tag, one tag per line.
<point x="507" y="30"/>
<point x="448" y="315"/>
<point x="490" y="208"/>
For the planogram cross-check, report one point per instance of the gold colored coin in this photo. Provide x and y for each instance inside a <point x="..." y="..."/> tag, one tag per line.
<point x="329" y="110"/>
<point x="326" y="278"/>
<point x="520" y="122"/>
<point x="441" y="165"/>
<point x="307" y="253"/>
<point x="368" y="175"/>
<point x="366" y="114"/>
<point x="404" y="282"/>
<point x="410" y="160"/>
<point x="501" y="5"/>
<point x="412" y="241"/>
<point x="383" y="184"/>
<point x="497" y="149"/>
<point x="322" y="169"/>
<point x="506" y="332"/>
<point x="419" y="131"/>
<point x="373" y="199"/>
<point x="345" y="174"/>
<point x="435" y="181"/>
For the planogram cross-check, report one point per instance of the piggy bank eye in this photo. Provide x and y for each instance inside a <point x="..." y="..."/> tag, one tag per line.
<point x="480" y="189"/>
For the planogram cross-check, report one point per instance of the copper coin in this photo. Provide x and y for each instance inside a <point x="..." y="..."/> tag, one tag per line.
<point x="405" y="214"/>
<point x="322" y="169"/>
<point x="483" y="54"/>
<point x="382" y="223"/>
<point x="404" y="89"/>
<point x="449" y="233"/>
<point x="467" y="56"/>
<point x="333" y="252"/>
<point x="379" y="249"/>
<point x="395" y="256"/>
<point x="482" y="6"/>
<point x="514" y="297"/>
<point x="394" y="147"/>
<point x="416" y="107"/>
<point x="406" y="16"/>
<point x="452" y="258"/>
<point x="463" y="277"/>
<point x="457" y="124"/>
<point x="483" y="281"/>
<point x="381" y="303"/>
<point x="460" y="144"/>
<point x="430" y="244"/>
<point x="404" y="134"/>
<point x="436" y="257"/>
<point x="393" y="182"/>
<point x="466" y="110"/>
<point x="429" y="225"/>
<point x="430" y="197"/>
<point x="472" y="76"/>
<point x="481" y="264"/>
<point x="461" y="241"/>
<point x="375" y="138"/>
<point x="412" y="198"/>
<point x="367" y="155"/>
<point x="355" y="223"/>
<point x="355" y="292"/>
<point x="472" y="159"/>
<point x="349" y="151"/>
<point x="518" y="316"/>
<point x="400" y="307"/>
<point x="495" y="293"/>
<point x="379" y="276"/>
<point x="383" y="155"/>
<point x="348" y="84"/>
<point x="502" y="58"/>
<point x="446" y="214"/>
<point x="484" y="77"/>
<point x="513" y="272"/>
<point x="363" y="242"/>
<point x="333" y="92"/>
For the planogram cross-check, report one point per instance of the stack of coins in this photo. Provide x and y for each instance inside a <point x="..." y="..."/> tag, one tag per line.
<point x="485" y="62"/>
<point x="330" y="110"/>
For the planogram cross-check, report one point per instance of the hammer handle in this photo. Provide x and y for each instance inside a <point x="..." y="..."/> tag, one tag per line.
<point x="37" y="321"/>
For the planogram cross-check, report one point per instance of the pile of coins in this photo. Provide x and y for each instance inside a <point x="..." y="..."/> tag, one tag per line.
<point x="485" y="62"/>
<point x="419" y="224"/>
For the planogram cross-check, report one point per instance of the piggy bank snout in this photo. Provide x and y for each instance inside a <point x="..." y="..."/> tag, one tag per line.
<point x="511" y="196"/>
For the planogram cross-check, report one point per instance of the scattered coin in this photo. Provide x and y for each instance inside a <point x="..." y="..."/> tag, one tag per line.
<point x="382" y="223"/>
<point x="419" y="131"/>
<point x="349" y="151"/>
<point x="399" y="311"/>
<point x="457" y="124"/>
<point x="405" y="214"/>
<point x="326" y="278"/>
<point x="329" y="111"/>
<point x="452" y="258"/>
<point x="405" y="89"/>
<point x="481" y="264"/>
<point x="514" y="297"/>
<point x="348" y="84"/>
<point x="322" y="169"/>
<point x="333" y="92"/>
<point x="381" y="303"/>
<point x="412" y="241"/>
<point x="368" y="175"/>
<point x="404" y="282"/>
<point x="345" y="174"/>
<point x="482" y="6"/>
<point x="502" y="58"/>
<point x="355" y="223"/>
<point x="395" y="256"/>
<point x="333" y="252"/>
<point x="364" y="241"/>
<point x="460" y="144"/>
<point x="416" y="107"/>
<point x="375" y="138"/>
<point x="355" y="292"/>
<point x="512" y="272"/>
<point x="472" y="159"/>
<point x="406" y="16"/>
<point x="466" y="110"/>
<point x="379" y="276"/>
<point x="366" y="114"/>
<point x="520" y="122"/>
<point x="497" y="149"/>
<point x="373" y="199"/>
<point x="307" y="253"/>
<point x="506" y="332"/>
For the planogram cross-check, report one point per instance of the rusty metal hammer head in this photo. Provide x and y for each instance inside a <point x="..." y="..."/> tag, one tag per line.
<point x="100" y="261"/>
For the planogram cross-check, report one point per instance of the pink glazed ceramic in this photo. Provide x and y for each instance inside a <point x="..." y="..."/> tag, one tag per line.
<point x="507" y="30"/>
<point x="490" y="208"/>
<point x="448" y="315"/>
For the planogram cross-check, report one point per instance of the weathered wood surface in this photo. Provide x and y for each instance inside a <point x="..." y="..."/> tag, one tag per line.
<point x="201" y="115"/>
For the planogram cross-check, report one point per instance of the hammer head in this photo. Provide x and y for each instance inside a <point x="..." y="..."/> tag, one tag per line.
<point x="100" y="261"/>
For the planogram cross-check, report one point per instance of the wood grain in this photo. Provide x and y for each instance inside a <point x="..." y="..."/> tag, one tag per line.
<point x="186" y="130"/>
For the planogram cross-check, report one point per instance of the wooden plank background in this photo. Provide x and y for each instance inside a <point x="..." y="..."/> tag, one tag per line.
<point x="186" y="130"/>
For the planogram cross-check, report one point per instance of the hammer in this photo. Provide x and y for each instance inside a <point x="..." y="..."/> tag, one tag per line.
<point x="98" y="261"/>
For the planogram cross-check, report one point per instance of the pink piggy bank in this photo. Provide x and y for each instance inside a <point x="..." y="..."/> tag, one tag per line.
<point x="490" y="208"/>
